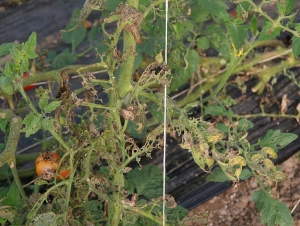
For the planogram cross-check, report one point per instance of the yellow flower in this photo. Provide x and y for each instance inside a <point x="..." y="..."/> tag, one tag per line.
<point x="237" y="53"/>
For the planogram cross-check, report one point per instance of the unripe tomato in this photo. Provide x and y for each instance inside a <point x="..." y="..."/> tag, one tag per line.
<point x="46" y="165"/>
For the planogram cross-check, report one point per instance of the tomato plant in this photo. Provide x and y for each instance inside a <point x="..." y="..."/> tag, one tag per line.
<point x="103" y="139"/>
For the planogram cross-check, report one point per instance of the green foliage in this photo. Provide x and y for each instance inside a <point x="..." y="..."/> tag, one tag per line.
<point x="276" y="140"/>
<point x="272" y="211"/>
<point x="32" y="124"/>
<point x="269" y="32"/>
<point x="146" y="181"/>
<point x="238" y="34"/>
<point x="74" y="35"/>
<point x="10" y="201"/>
<point x="63" y="59"/>
<point x="6" y="85"/>
<point x="5" y="48"/>
<point x="218" y="175"/>
<point x="45" y="219"/>
<point x="45" y="106"/>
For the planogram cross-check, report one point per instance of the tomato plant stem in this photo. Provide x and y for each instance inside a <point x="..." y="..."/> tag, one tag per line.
<point x="8" y="155"/>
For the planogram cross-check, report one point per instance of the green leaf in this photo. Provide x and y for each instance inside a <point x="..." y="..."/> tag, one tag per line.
<point x="138" y="58"/>
<point x="52" y="106"/>
<point x="137" y="129"/>
<point x="6" y="85"/>
<point x="245" y="124"/>
<point x="5" y="171"/>
<point x="268" y="32"/>
<point x="3" y="219"/>
<point x="13" y="197"/>
<point x="93" y="33"/>
<point x="157" y="112"/>
<point x="286" y="7"/>
<point x="218" y="39"/>
<point x="111" y="5"/>
<point x="213" y="109"/>
<point x="30" y="46"/>
<point x="147" y="181"/>
<point x="272" y="211"/>
<point x="280" y="8"/>
<point x="16" y="54"/>
<point x="246" y="174"/>
<point x="276" y="140"/>
<point x="9" y="70"/>
<point x="183" y="28"/>
<point x="217" y="175"/>
<point x="192" y="60"/>
<point x="217" y="8"/>
<point x="32" y="123"/>
<point x="42" y="219"/>
<point x="51" y="56"/>
<point x="48" y="123"/>
<point x="222" y="127"/>
<point x="290" y="4"/>
<point x="96" y="210"/>
<point x="5" y="48"/>
<point x="254" y="25"/>
<point x="3" y="190"/>
<point x="297" y="26"/>
<point x="74" y="35"/>
<point x="296" y="46"/>
<point x="24" y="64"/>
<point x="238" y="34"/>
<point x="3" y="124"/>
<point x="43" y="102"/>
<point x="155" y="38"/>
<point x="104" y="170"/>
<point x="63" y="59"/>
<point x="203" y="43"/>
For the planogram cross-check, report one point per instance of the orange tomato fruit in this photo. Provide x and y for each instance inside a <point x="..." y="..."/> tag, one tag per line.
<point x="46" y="165"/>
<point x="63" y="174"/>
<point x="30" y="87"/>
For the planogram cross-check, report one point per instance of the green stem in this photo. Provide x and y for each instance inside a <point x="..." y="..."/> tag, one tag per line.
<point x="26" y="157"/>
<point x="145" y="214"/>
<point x="55" y="74"/>
<point x="275" y="23"/>
<point x="266" y="115"/>
<point x="41" y="200"/>
<point x="59" y="139"/>
<point x="124" y="81"/>
<point x="23" y="93"/>
<point x="9" y="154"/>
<point x="69" y="184"/>
<point x="24" y="173"/>
<point x="115" y="207"/>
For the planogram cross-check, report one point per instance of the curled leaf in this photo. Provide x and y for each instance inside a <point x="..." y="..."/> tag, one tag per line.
<point x="269" y="152"/>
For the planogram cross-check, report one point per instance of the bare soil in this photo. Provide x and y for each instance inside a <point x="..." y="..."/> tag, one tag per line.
<point x="235" y="207"/>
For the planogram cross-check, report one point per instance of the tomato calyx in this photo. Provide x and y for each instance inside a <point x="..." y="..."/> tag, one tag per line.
<point x="46" y="166"/>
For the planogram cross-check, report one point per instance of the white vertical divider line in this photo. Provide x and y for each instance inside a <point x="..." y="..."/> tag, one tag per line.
<point x="165" y="116"/>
